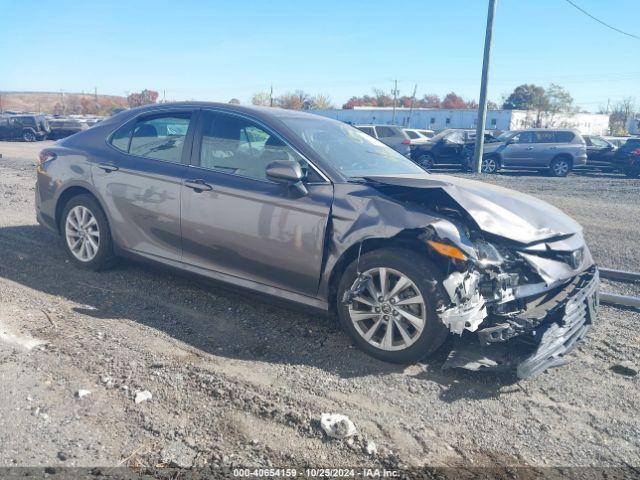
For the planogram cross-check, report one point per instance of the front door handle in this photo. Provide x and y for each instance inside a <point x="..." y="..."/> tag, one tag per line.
<point x="529" y="148"/>
<point x="108" y="167"/>
<point x="198" y="185"/>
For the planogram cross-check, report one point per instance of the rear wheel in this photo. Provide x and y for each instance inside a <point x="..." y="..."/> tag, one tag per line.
<point x="28" y="136"/>
<point x="632" y="173"/>
<point x="86" y="234"/>
<point x="392" y="316"/>
<point x="426" y="161"/>
<point x="560" y="167"/>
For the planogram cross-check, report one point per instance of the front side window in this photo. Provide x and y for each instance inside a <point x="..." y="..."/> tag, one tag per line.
<point x="237" y="145"/>
<point x="160" y="137"/>
<point x="523" y="137"/>
<point x="385" y="132"/>
<point x="598" y="142"/>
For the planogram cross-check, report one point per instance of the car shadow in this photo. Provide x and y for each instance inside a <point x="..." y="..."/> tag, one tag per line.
<point x="215" y="318"/>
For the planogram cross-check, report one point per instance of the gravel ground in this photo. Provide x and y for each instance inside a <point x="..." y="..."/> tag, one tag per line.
<point x="238" y="379"/>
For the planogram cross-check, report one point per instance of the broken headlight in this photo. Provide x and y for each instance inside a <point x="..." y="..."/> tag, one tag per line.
<point x="487" y="253"/>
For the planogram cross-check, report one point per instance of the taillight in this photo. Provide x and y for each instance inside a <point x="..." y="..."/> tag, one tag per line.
<point x="406" y="142"/>
<point x="636" y="152"/>
<point x="46" y="156"/>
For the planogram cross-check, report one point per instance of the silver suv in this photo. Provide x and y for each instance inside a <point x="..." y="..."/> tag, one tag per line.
<point x="390" y="135"/>
<point x="557" y="151"/>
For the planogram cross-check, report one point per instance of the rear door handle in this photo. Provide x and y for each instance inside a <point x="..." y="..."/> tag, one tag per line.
<point x="108" y="167"/>
<point x="198" y="185"/>
<point x="529" y="148"/>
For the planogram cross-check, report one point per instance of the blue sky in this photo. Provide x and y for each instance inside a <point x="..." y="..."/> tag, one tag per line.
<point x="216" y="50"/>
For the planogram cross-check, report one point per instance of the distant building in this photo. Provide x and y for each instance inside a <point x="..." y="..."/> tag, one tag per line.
<point x="633" y="125"/>
<point x="439" y="119"/>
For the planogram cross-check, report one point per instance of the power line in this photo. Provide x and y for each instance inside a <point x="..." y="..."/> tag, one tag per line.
<point x="600" y="21"/>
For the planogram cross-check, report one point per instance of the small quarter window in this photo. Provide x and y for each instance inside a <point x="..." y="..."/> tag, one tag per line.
<point x="120" y="139"/>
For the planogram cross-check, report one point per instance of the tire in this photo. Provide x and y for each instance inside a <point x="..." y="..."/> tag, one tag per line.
<point x="560" y="167"/>
<point x="29" y="136"/>
<point x="426" y="161"/>
<point x="422" y="276"/>
<point x="490" y="165"/>
<point x="98" y="253"/>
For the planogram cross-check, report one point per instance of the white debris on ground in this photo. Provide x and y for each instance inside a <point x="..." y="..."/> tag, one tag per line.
<point x="82" y="393"/>
<point x="337" y="425"/>
<point x="371" y="448"/>
<point x="143" y="396"/>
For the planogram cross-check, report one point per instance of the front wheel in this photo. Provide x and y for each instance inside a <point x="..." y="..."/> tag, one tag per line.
<point x="560" y="167"/>
<point x="86" y="234"/>
<point x="426" y="161"/>
<point x="389" y="310"/>
<point x="490" y="165"/>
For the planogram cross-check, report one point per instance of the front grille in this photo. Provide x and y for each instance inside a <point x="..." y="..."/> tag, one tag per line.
<point x="556" y="339"/>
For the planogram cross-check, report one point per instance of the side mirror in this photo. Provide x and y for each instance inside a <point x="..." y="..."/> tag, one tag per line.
<point x="289" y="172"/>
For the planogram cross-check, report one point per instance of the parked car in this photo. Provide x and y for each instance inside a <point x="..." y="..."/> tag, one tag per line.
<point x="313" y="210"/>
<point x="23" y="127"/>
<point x="63" y="127"/>
<point x="557" y="151"/>
<point x="417" y="135"/>
<point x="627" y="157"/>
<point x="390" y="135"/>
<point x="600" y="152"/>
<point x="449" y="147"/>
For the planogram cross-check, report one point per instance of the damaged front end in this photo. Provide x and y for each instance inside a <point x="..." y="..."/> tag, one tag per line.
<point x="527" y="305"/>
<point x="521" y="285"/>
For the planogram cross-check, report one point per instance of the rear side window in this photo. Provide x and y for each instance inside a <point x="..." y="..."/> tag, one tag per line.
<point x="368" y="131"/>
<point x="384" y="132"/>
<point x="412" y="135"/>
<point x="564" y="137"/>
<point x="545" y="137"/>
<point x="160" y="137"/>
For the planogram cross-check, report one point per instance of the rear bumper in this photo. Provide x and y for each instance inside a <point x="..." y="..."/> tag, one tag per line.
<point x="580" y="161"/>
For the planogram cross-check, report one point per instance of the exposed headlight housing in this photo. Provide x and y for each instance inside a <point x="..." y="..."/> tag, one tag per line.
<point x="488" y="254"/>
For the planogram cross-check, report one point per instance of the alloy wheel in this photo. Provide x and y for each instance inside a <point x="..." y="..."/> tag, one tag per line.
<point x="560" y="168"/>
<point x="29" y="137"/>
<point x="489" y="165"/>
<point x="426" y="161"/>
<point x="82" y="233"/>
<point x="390" y="313"/>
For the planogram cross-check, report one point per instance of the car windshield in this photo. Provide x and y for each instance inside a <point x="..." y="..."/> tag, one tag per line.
<point x="351" y="151"/>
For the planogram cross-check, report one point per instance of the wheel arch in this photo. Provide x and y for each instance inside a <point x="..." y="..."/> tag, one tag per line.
<point x="406" y="239"/>
<point x="65" y="197"/>
<point x="562" y="155"/>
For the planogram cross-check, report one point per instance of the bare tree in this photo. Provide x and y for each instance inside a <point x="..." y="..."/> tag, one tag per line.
<point x="321" y="101"/>
<point x="262" y="99"/>
<point x="620" y="115"/>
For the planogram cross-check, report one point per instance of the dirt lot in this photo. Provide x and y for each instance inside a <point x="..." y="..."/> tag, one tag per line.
<point x="237" y="379"/>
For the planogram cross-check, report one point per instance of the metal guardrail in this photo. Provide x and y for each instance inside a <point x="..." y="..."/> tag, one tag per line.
<point x="619" y="300"/>
<point x="620" y="275"/>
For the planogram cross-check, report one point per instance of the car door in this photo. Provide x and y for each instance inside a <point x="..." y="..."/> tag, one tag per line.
<point x="449" y="148"/>
<point x="518" y="151"/>
<point x="599" y="152"/>
<point x="237" y="222"/>
<point x="139" y="181"/>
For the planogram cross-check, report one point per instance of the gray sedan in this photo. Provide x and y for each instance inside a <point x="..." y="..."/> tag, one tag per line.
<point x="314" y="211"/>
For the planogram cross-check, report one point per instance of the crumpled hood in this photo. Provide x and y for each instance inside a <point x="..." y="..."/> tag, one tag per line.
<point x="496" y="210"/>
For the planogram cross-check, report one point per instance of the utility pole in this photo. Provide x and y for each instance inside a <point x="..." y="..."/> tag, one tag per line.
<point x="413" y="99"/>
<point x="482" y="108"/>
<point x="395" y="96"/>
<point x="95" y="94"/>
<point x="271" y="96"/>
